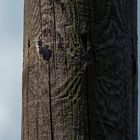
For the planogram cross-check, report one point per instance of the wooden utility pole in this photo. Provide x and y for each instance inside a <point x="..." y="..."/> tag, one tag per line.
<point x="80" y="70"/>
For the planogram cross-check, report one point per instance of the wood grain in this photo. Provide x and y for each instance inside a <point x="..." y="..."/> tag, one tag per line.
<point x="88" y="89"/>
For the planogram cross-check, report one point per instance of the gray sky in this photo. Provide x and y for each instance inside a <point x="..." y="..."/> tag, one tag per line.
<point x="11" y="17"/>
<point x="11" y="35"/>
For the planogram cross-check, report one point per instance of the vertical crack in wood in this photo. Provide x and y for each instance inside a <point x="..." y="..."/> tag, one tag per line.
<point x="54" y="38"/>
<point x="50" y="102"/>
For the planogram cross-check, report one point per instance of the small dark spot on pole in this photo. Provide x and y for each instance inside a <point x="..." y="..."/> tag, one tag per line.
<point x="84" y="42"/>
<point x="44" y="51"/>
<point x="28" y="43"/>
<point x="63" y="7"/>
<point x="61" y="45"/>
<point x="46" y="32"/>
<point x="60" y="41"/>
<point x="133" y="65"/>
<point x="40" y="43"/>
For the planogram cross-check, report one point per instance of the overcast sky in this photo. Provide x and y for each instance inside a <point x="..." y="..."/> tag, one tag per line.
<point x="11" y="35"/>
<point x="11" y="20"/>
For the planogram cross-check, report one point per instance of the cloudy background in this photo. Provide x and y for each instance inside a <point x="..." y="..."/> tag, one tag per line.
<point x="11" y="23"/>
<point x="11" y="44"/>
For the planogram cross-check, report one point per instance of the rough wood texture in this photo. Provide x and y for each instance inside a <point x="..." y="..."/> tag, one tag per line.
<point x="87" y="89"/>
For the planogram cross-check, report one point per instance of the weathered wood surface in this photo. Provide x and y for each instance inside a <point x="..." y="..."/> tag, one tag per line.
<point x="91" y="76"/>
